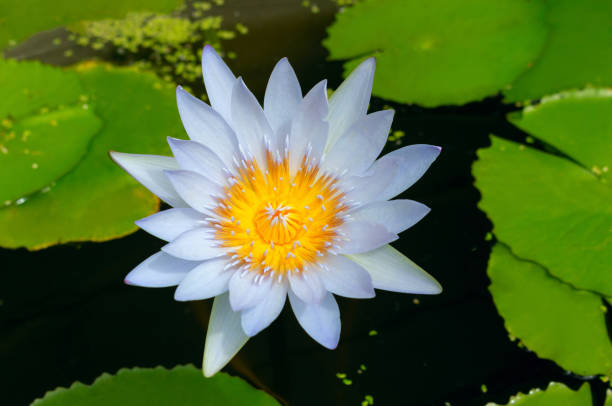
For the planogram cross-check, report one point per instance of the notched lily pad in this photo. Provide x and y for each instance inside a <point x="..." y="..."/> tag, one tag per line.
<point x="550" y="317"/>
<point x="45" y="128"/>
<point x="576" y="54"/>
<point x="180" y="386"/>
<point x="97" y="201"/>
<point x="556" y="394"/>
<point x="440" y="52"/>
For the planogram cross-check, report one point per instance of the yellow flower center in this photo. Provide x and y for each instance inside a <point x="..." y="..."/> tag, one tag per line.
<point x="278" y="223"/>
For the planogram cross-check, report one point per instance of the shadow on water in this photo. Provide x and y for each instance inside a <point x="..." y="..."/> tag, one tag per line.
<point x="67" y="316"/>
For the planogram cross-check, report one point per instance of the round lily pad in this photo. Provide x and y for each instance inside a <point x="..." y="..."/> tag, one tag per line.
<point x="556" y="394"/>
<point x="45" y="128"/>
<point x="550" y="317"/>
<point x="22" y="18"/>
<point x="97" y="200"/>
<point x="180" y="386"/>
<point x="441" y="51"/>
<point x="576" y="54"/>
<point x="550" y="209"/>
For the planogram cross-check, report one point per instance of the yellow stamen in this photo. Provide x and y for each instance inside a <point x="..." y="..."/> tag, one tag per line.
<point x="278" y="223"/>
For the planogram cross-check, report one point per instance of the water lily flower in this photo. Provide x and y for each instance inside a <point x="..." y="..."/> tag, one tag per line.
<point x="288" y="200"/>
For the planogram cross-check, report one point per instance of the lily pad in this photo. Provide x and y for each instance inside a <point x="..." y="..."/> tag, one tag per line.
<point x="552" y="318"/>
<point x="550" y="210"/>
<point x="441" y="51"/>
<point x="22" y="18"/>
<point x="576" y="54"/>
<point x="556" y="394"/>
<point x="97" y="201"/>
<point x="45" y="128"/>
<point x="180" y="386"/>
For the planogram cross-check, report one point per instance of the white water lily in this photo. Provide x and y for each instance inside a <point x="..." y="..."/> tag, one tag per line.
<point x="288" y="200"/>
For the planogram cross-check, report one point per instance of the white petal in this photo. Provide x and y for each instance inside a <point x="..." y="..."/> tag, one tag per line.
<point x="395" y="215"/>
<point x="195" y="189"/>
<point x="207" y="280"/>
<point x="195" y="157"/>
<point x="194" y="245"/>
<point x="350" y="101"/>
<point x="224" y="337"/>
<point x="358" y="147"/>
<point x="363" y="236"/>
<point x="149" y="171"/>
<point x="309" y="127"/>
<point x="219" y="80"/>
<point x="159" y="271"/>
<point x="344" y="277"/>
<point x="283" y="95"/>
<point x="246" y="291"/>
<point x="206" y="126"/>
<point x="249" y="121"/>
<point x="321" y="321"/>
<point x="169" y="224"/>
<point x="262" y="315"/>
<point x="307" y="285"/>
<point x="394" y="272"/>
<point x="370" y="186"/>
<point x="412" y="161"/>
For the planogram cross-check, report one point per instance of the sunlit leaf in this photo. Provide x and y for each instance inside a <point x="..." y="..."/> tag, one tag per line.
<point x="97" y="200"/>
<point x="22" y="18"/>
<point x="550" y="317"/>
<point x="550" y="209"/>
<point x="440" y="52"/>
<point x="180" y="386"/>
<point x="576" y="54"/>
<point x="45" y="127"/>
<point x="556" y="394"/>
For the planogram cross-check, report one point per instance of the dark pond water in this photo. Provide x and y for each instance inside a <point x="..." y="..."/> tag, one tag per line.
<point x="65" y="314"/>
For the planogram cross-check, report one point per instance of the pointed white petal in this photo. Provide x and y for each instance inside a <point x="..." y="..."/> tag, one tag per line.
<point x="307" y="285"/>
<point x="195" y="157"/>
<point x="224" y="337"/>
<point x="395" y="215"/>
<point x="394" y="272"/>
<point x="344" y="277"/>
<point x="262" y="315"/>
<point x="219" y="80"/>
<point x="159" y="271"/>
<point x="249" y="121"/>
<point x="195" y="189"/>
<point x="246" y="291"/>
<point x="149" y="171"/>
<point x="169" y="224"/>
<point x="309" y="127"/>
<point x="283" y="95"/>
<point x="321" y="321"/>
<point x="364" y="236"/>
<point x="206" y="126"/>
<point x="412" y="161"/>
<point x="206" y="280"/>
<point x="358" y="147"/>
<point x="194" y="245"/>
<point x="350" y="101"/>
<point x="370" y="186"/>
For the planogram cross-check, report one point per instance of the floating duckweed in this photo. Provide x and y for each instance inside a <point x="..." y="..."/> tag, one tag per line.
<point x="68" y="53"/>
<point x="305" y="3"/>
<point x="367" y="400"/>
<point x="373" y="333"/>
<point x="315" y="9"/>
<point x="483" y="388"/>
<point x="340" y="375"/>
<point x="347" y="382"/>
<point x="396" y="136"/>
<point x="57" y="41"/>
<point x="167" y="44"/>
<point x="416" y="301"/>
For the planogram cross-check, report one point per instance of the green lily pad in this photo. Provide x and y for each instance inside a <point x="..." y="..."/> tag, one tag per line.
<point x="550" y="210"/>
<point x="441" y="51"/>
<point x="180" y="386"/>
<point x="576" y="54"/>
<point x="556" y="394"/>
<point x="552" y="318"/>
<point x="22" y="18"/>
<point x="97" y="200"/>
<point x="45" y="128"/>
